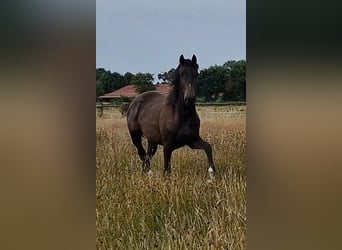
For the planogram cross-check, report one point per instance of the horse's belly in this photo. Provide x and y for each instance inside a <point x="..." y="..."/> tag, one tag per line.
<point x="153" y="135"/>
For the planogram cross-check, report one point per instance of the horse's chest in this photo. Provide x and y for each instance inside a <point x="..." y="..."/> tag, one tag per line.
<point x="182" y="132"/>
<point x="187" y="133"/>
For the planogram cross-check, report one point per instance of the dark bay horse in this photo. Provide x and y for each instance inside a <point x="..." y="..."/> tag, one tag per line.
<point x="169" y="120"/>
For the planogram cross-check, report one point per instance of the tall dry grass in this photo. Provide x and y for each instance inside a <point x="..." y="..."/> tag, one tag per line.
<point x="134" y="211"/>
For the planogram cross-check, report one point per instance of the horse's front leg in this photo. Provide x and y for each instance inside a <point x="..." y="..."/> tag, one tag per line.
<point x="167" y="159"/>
<point x="201" y="144"/>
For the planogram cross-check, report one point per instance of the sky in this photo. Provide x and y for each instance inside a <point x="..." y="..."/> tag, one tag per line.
<point x="150" y="35"/>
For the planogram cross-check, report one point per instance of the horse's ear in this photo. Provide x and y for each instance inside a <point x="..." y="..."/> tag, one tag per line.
<point x="194" y="59"/>
<point x="181" y="59"/>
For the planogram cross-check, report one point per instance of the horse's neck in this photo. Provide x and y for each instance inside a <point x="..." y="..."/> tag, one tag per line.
<point x="183" y="112"/>
<point x="180" y="110"/>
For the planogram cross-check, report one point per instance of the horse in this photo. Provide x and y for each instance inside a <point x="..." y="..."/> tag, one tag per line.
<point x="169" y="119"/>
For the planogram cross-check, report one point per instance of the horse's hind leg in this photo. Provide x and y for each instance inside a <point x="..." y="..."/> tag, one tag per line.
<point x="201" y="144"/>
<point x="151" y="150"/>
<point x="136" y="139"/>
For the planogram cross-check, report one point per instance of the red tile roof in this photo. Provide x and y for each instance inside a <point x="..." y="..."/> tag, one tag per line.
<point x="130" y="91"/>
<point x="163" y="88"/>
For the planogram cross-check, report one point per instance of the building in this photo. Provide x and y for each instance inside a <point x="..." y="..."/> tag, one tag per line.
<point x="130" y="92"/>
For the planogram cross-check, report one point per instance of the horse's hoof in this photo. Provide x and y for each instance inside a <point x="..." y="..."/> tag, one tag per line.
<point x="211" y="177"/>
<point x="211" y="174"/>
<point x="211" y="180"/>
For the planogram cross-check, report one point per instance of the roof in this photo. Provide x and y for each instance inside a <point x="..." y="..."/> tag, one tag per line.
<point x="130" y="91"/>
<point x="163" y="88"/>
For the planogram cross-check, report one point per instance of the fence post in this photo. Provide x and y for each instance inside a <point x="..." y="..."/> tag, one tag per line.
<point x="101" y="110"/>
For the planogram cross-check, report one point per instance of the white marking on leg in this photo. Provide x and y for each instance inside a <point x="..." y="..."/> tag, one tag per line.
<point x="211" y="174"/>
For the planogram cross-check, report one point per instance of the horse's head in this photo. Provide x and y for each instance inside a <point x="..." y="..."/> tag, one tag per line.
<point x="185" y="79"/>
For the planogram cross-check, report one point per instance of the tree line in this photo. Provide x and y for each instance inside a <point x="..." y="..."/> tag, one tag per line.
<point x="217" y="83"/>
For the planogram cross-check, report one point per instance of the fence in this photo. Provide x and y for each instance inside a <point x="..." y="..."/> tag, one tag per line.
<point x="220" y="103"/>
<point x="101" y="106"/>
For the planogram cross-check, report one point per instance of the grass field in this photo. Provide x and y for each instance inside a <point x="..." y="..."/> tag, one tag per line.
<point x="134" y="211"/>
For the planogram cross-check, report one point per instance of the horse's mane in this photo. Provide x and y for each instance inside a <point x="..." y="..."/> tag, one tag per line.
<point x="173" y="94"/>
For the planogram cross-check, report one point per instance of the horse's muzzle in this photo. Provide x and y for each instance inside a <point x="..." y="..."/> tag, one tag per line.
<point x="189" y="100"/>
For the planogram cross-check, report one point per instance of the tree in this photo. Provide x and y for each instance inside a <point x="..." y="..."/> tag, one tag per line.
<point x="127" y="78"/>
<point x="143" y="82"/>
<point x="236" y="84"/>
<point x="107" y="81"/>
<point x="212" y="82"/>
<point x="224" y="83"/>
<point x="142" y="78"/>
<point x="166" y="77"/>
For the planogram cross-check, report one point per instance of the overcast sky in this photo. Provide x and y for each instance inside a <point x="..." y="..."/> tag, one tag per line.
<point x="150" y="35"/>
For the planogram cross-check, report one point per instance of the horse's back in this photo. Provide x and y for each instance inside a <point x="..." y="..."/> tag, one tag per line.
<point x="143" y="113"/>
<point x="146" y="100"/>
